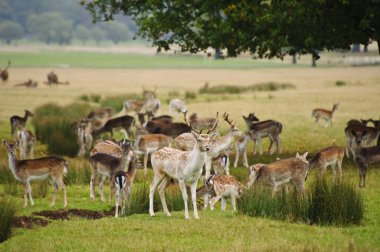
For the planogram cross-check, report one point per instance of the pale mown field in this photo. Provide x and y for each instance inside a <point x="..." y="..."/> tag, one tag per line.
<point x="359" y="98"/>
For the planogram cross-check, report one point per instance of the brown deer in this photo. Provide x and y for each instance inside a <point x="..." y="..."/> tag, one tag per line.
<point x="364" y="156"/>
<point x="133" y="106"/>
<point x="26" y="143"/>
<point x="4" y="74"/>
<point x="27" y="170"/>
<point x="368" y="138"/>
<point x="201" y="123"/>
<point x="122" y="122"/>
<point x="332" y="156"/>
<point x="325" y="114"/>
<point x="18" y="122"/>
<point x="29" y="84"/>
<point x="164" y="126"/>
<point x="165" y="119"/>
<point x="52" y="78"/>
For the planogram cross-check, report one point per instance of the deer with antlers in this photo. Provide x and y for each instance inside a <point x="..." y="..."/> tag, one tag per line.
<point x="324" y="114"/>
<point x="184" y="166"/>
<point x="358" y="127"/>
<point x="4" y="74"/>
<point x="18" y="122"/>
<point x="52" y="78"/>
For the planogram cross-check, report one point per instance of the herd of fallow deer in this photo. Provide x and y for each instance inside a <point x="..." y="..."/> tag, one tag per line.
<point x="179" y="151"/>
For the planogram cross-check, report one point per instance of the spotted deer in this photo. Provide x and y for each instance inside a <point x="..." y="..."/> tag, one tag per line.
<point x="122" y="183"/>
<point x="185" y="166"/>
<point x="85" y="138"/>
<point x="53" y="168"/>
<point x="151" y="105"/>
<point x="330" y="156"/>
<point x="324" y="114"/>
<point x="281" y="172"/>
<point x="26" y="143"/>
<point x="4" y="74"/>
<point x="18" y="122"/>
<point x="364" y="156"/>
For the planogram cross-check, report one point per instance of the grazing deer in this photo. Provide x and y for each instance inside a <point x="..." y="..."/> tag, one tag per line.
<point x="149" y="143"/>
<point x="364" y="156"/>
<point x="27" y="170"/>
<point x="325" y="114"/>
<point x="332" y="156"/>
<point x="18" y="122"/>
<point x="177" y="106"/>
<point x="225" y="186"/>
<point x="52" y="78"/>
<point x="133" y="106"/>
<point x="241" y="144"/>
<point x="281" y="172"/>
<point x="166" y="127"/>
<point x="269" y="128"/>
<point x="184" y="166"/>
<point x="29" y="84"/>
<point x="4" y="74"/>
<point x="122" y="122"/>
<point x="202" y="123"/>
<point x="107" y="164"/>
<point x="84" y="137"/>
<point x="123" y="185"/>
<point x="26" y="143"/>
<point x="368" y="138"/>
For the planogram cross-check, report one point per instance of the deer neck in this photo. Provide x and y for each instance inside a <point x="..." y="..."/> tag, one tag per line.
<point x="196" y="159"/>
<point x="223" y="143"/>
<point x="13" y="165"/>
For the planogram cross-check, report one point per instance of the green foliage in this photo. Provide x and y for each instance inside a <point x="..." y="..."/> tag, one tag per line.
<point x="82" y="33"/>
<point x="10" y="30"/>
<point x="117" y="31"/>
<point x="90" y="98"/>
<point x="8" y="209"/>
<point x="233" y="89"/>
<point x="340" y="83"/>
<point x="117" y="101"/>
<point x="190" y="95"/>
<point x="78" y="172"/>
<point x="54" y="127"/>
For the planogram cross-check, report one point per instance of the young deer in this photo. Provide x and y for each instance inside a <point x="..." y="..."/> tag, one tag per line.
<point x="149" y="143"/>
<point x="18" y="122"/>
<point x="27" y="170"/>
<point x="325" y="114"/>
<point x="122" y="122"/>
<point x="26" y="143"/>
<point x="84" y="137"/>
<point x="123" y="185"/>
<point x="281" y="172"/>
<point x="332" y="156"/>
<point x="184" y="166"/>
<point x="269" y="128"/>
<point x="4" y="74"/>
<point x="364" y="156"/>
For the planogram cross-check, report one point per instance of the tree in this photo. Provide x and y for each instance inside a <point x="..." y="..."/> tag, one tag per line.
<point x="82" y="33"/>
<point x="98" y="34"/>
<point x="264" y="28"/>
<point x="50" y="27"/>
<point x="117" y="31"/>
<point x="10" y="30"/>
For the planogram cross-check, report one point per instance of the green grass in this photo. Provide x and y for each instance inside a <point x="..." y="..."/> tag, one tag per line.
<point x="8" y="210"/>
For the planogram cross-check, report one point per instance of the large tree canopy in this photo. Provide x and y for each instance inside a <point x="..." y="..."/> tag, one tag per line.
<point x="265" y="28"/>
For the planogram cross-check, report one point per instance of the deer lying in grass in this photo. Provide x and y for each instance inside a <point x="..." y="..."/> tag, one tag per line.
<point x="332" y="156"/>
<point x="325" y="114"/>
<point x="352" y="126"/>
<point x="122" y="122"/>
<point x="52" y="78"/>
<point x="281" y="172"/>
<point x="18" y="122"/>
<point x="259" y="130"/>
<point x="364" y="156"/>
<point x="4" y="74"/>
<point x="26" y="143"/>
<point x="84" y="137"/>
<point x="121" y="181"/>
<point x="184" y="166"/>
<point x="29" y="84"/>
<point x="27" y="170"/>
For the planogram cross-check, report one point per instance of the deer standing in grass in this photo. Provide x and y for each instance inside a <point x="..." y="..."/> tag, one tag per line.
<point x="355" y="126"/>
<point x="201" y="123"/>
<point x="85" y="138"/>
<point x="364" y="156"/>
<point x="133" y="106"/>
<point x="281" y="172"/>
<point x="325" y="114"/>
<point x="184" y="166"/>
<point x="27" y="170"/>
<point x="123" y="185"/>
<point x="122" y="122"/>
<point x="241" y="144"/>
<point x="26" y="143"/>
<point x="52" y="78"/>
<point x="18" y="122"/>
<point x="4" y="74"/>
<point x="332" y="156"/>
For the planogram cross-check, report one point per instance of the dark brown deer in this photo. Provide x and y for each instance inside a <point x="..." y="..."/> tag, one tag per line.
<point x="164" y="126"/>
<point x="358" y="127"/>
<point x="29" y="84"/>
<point x="123" y="122"/>
<point x="164" y="118"/>
<point x="18" y="122"/>
<point x="53" y="79"/>
<point x="4" y="74"/>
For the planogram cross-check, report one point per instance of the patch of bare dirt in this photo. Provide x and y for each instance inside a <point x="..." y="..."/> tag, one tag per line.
<point x="63" y="214"/>
<point x="29" y="222"/>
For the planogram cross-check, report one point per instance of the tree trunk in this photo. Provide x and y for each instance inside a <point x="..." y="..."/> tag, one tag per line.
<point x="378" y="45"/>
<point x="313" y="61"/>
<point x="365" y="48"/>
<point x="217" y="53"/>
<point x="294" y="59"/>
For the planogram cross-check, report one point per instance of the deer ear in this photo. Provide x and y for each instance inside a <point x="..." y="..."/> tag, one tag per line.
<point x="4" y="142"/>
<point x="305" y="155"/>
<point x="213" y="135"/>
<point x="297" y="155"/>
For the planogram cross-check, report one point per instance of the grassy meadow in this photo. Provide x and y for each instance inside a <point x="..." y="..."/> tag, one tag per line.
<point x="123" y="74"/>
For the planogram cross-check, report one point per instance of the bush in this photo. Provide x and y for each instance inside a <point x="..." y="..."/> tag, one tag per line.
<point x="190" y="95"/>
<point x="90" y="98"/>
<point x="326" y="204"/>
<point x="117" y="101"/>
<point x="234" y="89"/>
<point x="7" y="214"/>
<point x="78" y="172"/>
<point x="54" y="127"/>
<point x="340" y="83"/>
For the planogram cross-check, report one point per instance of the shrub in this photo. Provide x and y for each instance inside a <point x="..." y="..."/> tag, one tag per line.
<point x="117" y="101"/>
<point x="340" y="83"/>
<point x="90" y="98"/>
<point x="7" y="214"/>
<point x="234" y="89"/>
<point x="190" y="95"/>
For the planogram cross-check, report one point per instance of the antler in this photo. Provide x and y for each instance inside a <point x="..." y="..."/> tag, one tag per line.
<point x="215" y="124"/>
<point x="191" y="126"/>
<point x="225" y="117"/>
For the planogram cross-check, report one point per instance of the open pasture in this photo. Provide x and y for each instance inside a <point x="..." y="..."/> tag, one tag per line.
<point x="217" y="230"/>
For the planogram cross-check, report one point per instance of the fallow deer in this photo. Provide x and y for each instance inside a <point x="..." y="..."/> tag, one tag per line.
<point x="26" y="143"/>
<point x="27" y="170"/>
<point x="133" y="106"/>
<point x="101" y="114"/>
<point x="18" y="122"/>
<point x="165" y="119"/>
<point x="325" y="114"/>
<point x="201" y="123"/>
<point x="29" y="84"/>
<point x="269" y="128"/>
<point x="4" y="74"/>
<point x="241" y="144"/>
<point x="376" y="124"/>
<point x="281" y="172"/>
<point x="85" y="139"/>
<point x="184" y="166"/>
<point x="364" y="156"/>
<point x="368" y="138"/>
<point x="250" y="119"/>
<point x="123" y="185"/>
<point x="52" y="78"/>
<point x="177" y="106"/>
<point x="172" y="129"/>
<point x="122" y="122"/>
<point x="151" y="106"/>
<point x="332" y="156"/>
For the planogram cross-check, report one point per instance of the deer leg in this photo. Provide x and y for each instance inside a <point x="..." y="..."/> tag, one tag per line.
<point x="254" y="146"/>
<point x="207" y="175"/>
<point x="30" y="193"/>
<point x="214" y="200"/>
<point x="101" y="183"/>
<point x="233" y="202"/>
<point x="161" y="191"/>
<point x="227" y="167"/>
<point x="333" y="167"/>
<point x="145" y="163"/>
<point x="279" y="145"/>
<point x="184" y="195"/>
<point x="270" y="151"/>
<point x="153" y="186"/>
<point x="261" y="146"/>
<point x="92" y="183"/>
<point x="339" y="165"/>
<point x="55" y="187"/>
<point x="245" y="159"/>
<point x="123" y="198"/>
<point x="31" y="151"/>
<point x="223" y="203"/>
<point x="117" y="197"/>
<point x="193" y="189"/>
<point x="25" y="194"/>
<point x="63" y="187"/>
<point x="236" y="157"/>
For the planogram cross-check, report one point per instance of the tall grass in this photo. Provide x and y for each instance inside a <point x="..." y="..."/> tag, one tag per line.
<point x="234" y="89"/>
<point x="325" y="204"/>
<point x="78" y="172"/>
<point x="116" y="102"/>
<point x="7" y="214"/>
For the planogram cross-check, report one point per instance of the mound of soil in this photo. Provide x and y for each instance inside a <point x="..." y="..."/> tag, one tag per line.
<point x="63" y="214"/>
<point x="29" y="222"/>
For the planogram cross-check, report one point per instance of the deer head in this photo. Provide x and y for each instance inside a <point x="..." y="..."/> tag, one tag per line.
<point x="359" y="136"/>
<point x="302" y="157"/>
<point x="254" y="172"/>
<point x="233" y="127"/>
<point x="11" y="147"/>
